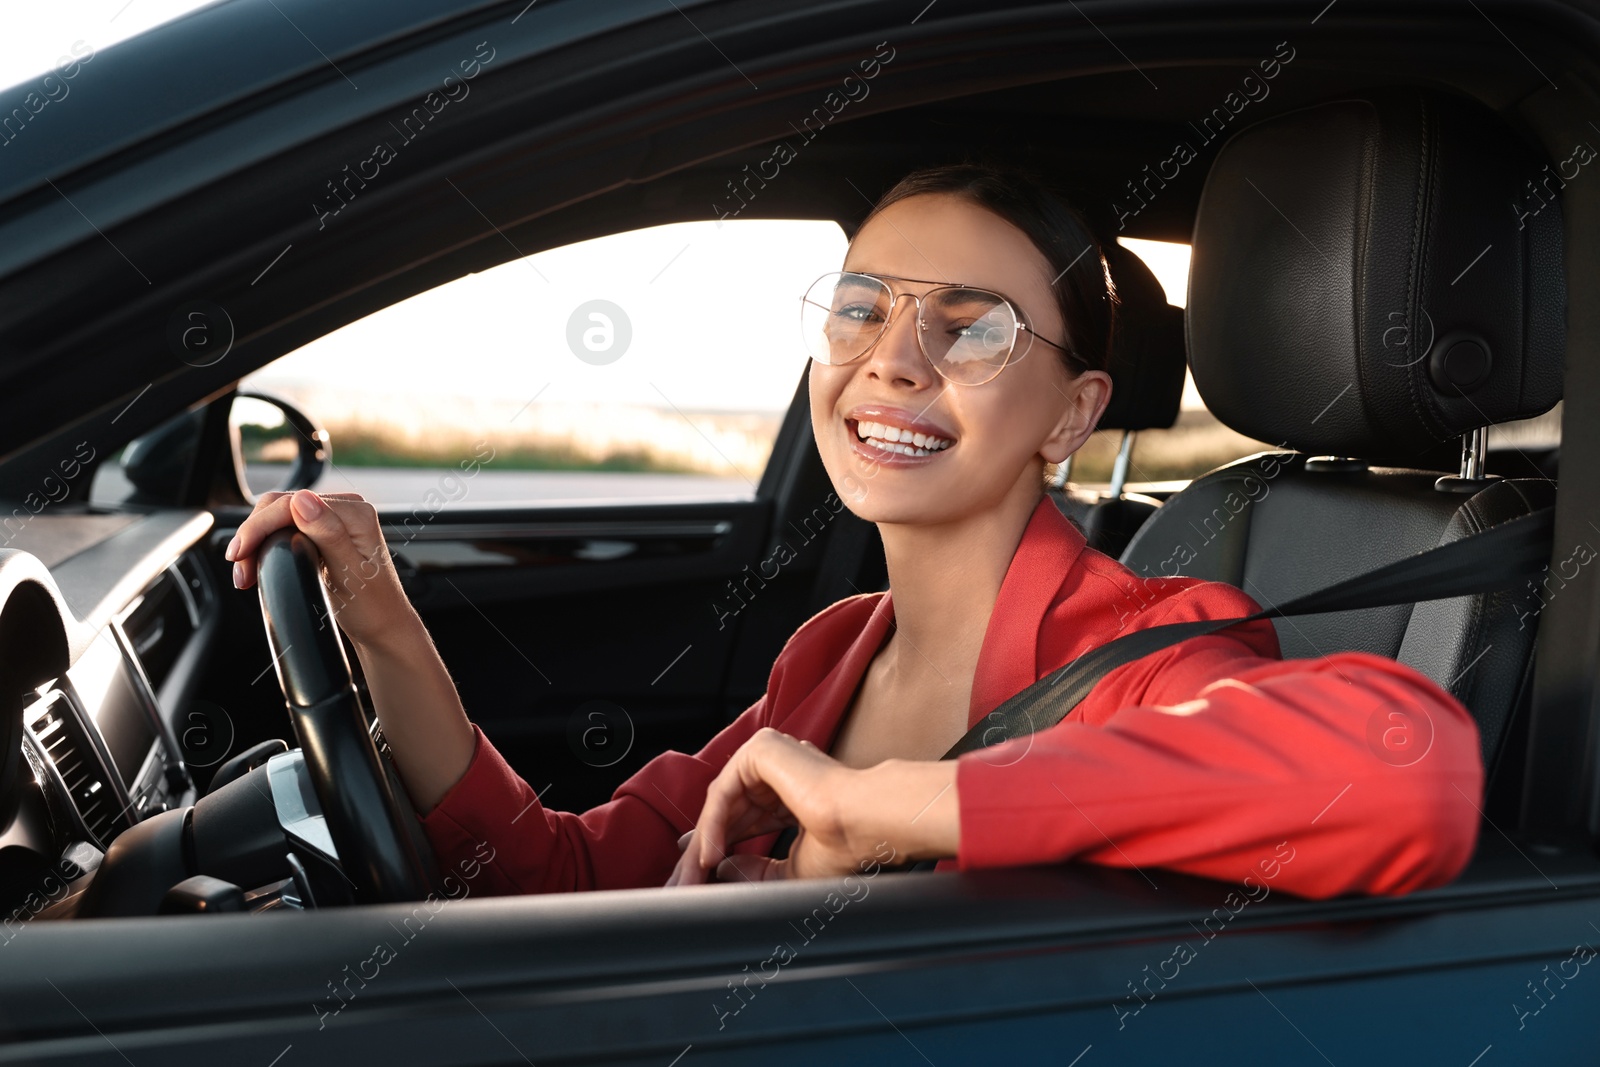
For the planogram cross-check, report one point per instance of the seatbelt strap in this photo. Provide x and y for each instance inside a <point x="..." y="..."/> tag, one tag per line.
<point x="1496" y="558"/>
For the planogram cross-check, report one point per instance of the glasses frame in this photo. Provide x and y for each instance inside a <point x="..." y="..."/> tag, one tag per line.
<point x="1012" y="356"/>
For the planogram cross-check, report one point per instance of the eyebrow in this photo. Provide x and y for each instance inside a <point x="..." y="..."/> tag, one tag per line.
<point x="962" y="290"/>
<point x="896" y="277"/>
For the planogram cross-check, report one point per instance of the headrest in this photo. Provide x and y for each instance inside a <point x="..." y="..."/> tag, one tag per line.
<point x="1147" y="362"/>
<point x="1376" y="274"/>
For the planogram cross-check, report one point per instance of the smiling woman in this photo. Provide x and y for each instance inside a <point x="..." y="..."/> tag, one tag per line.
<point x="933" y="400"/>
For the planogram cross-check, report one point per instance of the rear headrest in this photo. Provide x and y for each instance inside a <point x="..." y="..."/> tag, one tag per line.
<point x="1376" y="274"/>
<point x="1147" y="363"/>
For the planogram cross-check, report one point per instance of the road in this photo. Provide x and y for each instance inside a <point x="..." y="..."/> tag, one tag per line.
<point x="390" y="487"/>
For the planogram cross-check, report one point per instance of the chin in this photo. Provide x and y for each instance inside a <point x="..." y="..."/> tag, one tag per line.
<point x="905" y="509"/>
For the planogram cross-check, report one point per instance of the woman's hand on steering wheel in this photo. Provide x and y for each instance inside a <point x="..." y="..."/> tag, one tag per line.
<point x="363" y="588"/>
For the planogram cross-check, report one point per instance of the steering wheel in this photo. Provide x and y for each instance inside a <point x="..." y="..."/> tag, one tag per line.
<point x="372" y="828"/>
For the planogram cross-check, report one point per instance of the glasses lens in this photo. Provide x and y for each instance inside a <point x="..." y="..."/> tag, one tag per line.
<point x="842" y="315"/>
<point x="968" y="333"/>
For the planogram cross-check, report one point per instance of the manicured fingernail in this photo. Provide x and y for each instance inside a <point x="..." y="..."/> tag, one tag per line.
<point x="233" y="546"/>
<point x="238" y="575"/>
<point x="310" y="506"/>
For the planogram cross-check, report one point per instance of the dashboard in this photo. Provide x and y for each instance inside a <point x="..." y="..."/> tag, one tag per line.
<point x="105" y="619"/>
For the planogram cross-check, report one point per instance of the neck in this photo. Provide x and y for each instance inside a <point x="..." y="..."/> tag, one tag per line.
<point x="946" y="577"/>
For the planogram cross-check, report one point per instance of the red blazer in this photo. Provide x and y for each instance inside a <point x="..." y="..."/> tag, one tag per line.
<point x="1349" y="773"/>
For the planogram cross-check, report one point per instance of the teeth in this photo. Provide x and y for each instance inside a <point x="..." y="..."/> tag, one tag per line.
<point x="903" y="441"/>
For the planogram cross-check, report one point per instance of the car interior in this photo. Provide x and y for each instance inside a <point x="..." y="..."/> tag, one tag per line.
<point x="152" y="775"/>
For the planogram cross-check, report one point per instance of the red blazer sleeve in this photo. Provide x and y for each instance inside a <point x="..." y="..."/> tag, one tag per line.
<point x="1345" y="774"/>
<point x="492" y="824"/>
<point x="629" y="841"/>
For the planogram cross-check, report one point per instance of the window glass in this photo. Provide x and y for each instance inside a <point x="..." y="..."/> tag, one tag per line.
<point x="1197" y="442"/>
<point x="1539" y="432"/>
<point x="652" y="364"/>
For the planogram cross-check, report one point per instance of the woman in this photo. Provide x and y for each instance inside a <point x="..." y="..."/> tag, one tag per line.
<point x="936" y="408"/>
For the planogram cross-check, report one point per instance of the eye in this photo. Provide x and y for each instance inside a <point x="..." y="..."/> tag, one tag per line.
<point x="857" y="312"/>
<point x="983" y="335"/>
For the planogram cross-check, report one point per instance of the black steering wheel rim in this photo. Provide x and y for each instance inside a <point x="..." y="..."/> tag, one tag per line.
<point x="373" y="828"/>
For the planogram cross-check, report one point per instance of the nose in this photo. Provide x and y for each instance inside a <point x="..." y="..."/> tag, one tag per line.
<point x="897" y="354"/>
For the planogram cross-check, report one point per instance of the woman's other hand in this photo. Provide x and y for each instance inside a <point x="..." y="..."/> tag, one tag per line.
<point x="363" y="588"/>
<point x="895" y="812"/>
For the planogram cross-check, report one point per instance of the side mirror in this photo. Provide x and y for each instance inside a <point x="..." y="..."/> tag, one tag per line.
<point x="156" y="464"/>
<point x="276" y="446"/>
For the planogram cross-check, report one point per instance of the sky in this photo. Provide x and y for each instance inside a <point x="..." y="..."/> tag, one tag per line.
<point x="38" y="34"/>
<point x="712" y="313"/>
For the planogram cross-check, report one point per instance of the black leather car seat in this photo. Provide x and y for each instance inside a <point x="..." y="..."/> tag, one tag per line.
<point x="1147" y="367"/>
<point x="1361" y="292"/>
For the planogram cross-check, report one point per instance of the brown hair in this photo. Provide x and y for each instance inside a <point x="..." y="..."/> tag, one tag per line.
<point x="1083" y="287"/>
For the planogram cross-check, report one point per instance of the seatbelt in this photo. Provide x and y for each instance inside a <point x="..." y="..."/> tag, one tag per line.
<point x="1491" y="559"/>
<point x="1496" y="558"/>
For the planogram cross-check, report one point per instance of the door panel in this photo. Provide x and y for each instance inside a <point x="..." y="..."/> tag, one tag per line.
<point x="584" y="640"/>
<point x="1014" y="966"/>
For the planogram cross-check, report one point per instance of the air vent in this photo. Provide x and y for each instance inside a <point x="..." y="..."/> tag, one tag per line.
<point x="160" y="623"/>
<point x="61" y="734"/>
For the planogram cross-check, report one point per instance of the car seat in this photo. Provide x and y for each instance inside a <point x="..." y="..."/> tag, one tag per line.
<point x="1365" y="287"/>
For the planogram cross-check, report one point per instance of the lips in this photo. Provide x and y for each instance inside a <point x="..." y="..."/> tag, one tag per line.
<point x="895" y="436"/>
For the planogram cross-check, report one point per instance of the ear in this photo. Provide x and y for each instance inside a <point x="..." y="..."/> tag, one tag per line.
<point x="1087" y="397"/>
